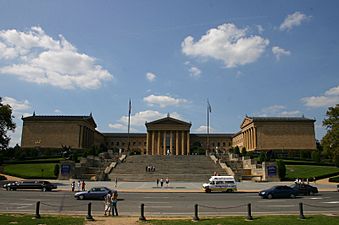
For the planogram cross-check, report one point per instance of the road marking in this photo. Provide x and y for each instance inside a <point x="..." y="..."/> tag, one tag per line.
<point x="316" y="198"/>
<point x="333" y="202"/>
<point x="27" y="204"/>
<point x="282" y="206"/>
<point x="156" y="202"/>
<point x="159" y="206"/>
<point x="156" y="197"/>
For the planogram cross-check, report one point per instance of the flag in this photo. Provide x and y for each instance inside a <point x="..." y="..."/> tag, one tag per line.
<point x="209" y="106"/>
<point x="129" y="107"/>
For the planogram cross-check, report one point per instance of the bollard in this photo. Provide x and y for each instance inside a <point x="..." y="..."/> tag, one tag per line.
<point x="301" y="211"/>
<point x="142" y="216"/>
<point x="89" y="216"/>
<point x="249" y="212"/>
<point x="37" y="209"/>
<point x="195" y="217"/>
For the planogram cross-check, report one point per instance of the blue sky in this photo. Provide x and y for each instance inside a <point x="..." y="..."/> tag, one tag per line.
<point x="256" y="58"/>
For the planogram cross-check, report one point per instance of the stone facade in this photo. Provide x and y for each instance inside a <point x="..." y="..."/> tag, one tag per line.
<point x="169" y="135"/>
<point x="276" y="133"/>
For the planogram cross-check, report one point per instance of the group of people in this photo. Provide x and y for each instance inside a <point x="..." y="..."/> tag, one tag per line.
<point x="111" y="202"/>
<point x="81" y="185"/>
<point x="150" y="168"/>
<point x="161" y="181"/>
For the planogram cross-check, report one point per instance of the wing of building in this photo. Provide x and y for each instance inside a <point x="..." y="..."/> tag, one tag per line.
<point x="169" y="135"/>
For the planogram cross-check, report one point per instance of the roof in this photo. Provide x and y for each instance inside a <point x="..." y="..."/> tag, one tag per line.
<point x="248" y="119"/>
<point x="167" y="120"/>
<point x="60" y="118"/>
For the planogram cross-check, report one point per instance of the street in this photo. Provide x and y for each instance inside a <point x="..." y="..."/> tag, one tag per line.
<point x="63" y="202"/>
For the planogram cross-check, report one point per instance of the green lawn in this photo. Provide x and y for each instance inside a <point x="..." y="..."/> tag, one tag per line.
<point x="308" y="171"/>
<point x="46" y="220"/>
<point x="260" y="220"/>
<point x="31" y="171"/>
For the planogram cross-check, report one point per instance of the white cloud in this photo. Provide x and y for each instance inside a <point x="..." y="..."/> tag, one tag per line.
<point x="57" y="111"/>
<point x="260" y="29"/>
<point x="278" y="110"/>
<point x="35" y="57"/>
<point x="140" y="118"/>
<point x="164" y="101"/>
<point x="194" y="71"/>
<point x="330" y="98"/>
<point x="228" y="44"/>
<point x="15" y="104"/>
<point x="203" y="129"/>
<point x="293" y="20"/>
<point x="151" y="76"/>
<point x="278" y="52"/>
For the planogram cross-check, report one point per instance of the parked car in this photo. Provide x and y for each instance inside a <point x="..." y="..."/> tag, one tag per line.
<point x="40" y="184"/>
<point x="305" y="189"/>
<point x="281" y="191"/>
<point x="98" y="193"/>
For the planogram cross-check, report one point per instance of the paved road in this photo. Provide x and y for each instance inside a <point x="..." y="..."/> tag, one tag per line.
<point x="168" y="204"/>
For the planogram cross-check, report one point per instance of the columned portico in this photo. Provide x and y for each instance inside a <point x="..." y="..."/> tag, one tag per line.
<point x="169" y="136"/>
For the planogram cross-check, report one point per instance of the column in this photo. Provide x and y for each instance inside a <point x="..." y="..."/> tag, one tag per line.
<point x="188" y="143"/>
<point x="177" y="143"/>
<point x="147" y="140"/>
<point x="255" y="137"/>
<point x="158" y="147"/>
<point x="171" y="143"/>
<point x="164" y="143"/>
<point x="182" y="142"/>
<point x="152" y="143"/>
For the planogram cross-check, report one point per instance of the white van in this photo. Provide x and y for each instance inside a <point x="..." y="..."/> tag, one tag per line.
<point x="220" y="183"/>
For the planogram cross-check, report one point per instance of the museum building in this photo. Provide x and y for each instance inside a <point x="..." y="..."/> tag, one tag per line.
<point x="169" y="136"/>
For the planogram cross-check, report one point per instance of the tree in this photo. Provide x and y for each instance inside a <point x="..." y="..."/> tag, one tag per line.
<point x="330" y="141"/>
<point x="281" y="169"/>
<point x="6" y="124"/>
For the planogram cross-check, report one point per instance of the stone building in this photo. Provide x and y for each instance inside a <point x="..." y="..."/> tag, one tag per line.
<point x="276" y="133"/>
<point x="169" y="135"/>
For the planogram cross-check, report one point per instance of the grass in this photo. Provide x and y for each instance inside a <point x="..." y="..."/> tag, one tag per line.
<point x="31" y="171"/>
<point x="309" y="171"/>
<point x="334" y="179"/>
<point x="261" y="220"/>
<point x="46" y="220"/>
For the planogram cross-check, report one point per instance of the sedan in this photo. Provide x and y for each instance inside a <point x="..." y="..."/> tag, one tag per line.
<point x="98" y="193"/>
<point x="305" y="189"/>
<point x="282" y="191"/>
<point x="40" y="185"/>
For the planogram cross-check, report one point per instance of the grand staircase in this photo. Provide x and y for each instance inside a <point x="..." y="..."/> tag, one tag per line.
<point x="194" y="168"/>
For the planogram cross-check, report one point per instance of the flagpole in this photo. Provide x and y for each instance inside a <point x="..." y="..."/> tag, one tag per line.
<point x="208" y="125"/>
<point x="129" y="124"/>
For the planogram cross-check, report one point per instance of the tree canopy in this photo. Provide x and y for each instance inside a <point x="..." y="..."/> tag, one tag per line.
<point x="330" y="141"/>
<point x="6" y="124"/>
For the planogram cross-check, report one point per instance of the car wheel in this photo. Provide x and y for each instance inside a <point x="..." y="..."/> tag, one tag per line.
<point x="44" y="189"/>
<point x="292" y="195"/>
<point x="81" y="197"/>
<point x="269" y="196"/>
<point x="8" y="188"/>
<point x="208" y="190"/>
<point x="311" y="193"/>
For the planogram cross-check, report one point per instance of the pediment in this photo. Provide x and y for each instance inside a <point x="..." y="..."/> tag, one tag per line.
<point x="167" y="121"/>
<point x="246" y="121"/>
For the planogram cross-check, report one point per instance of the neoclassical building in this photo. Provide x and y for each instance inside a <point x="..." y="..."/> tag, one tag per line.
<point x="168" y="135"/>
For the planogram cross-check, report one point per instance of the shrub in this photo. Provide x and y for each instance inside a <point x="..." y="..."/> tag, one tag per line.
<point x="3" y="177"/>
<point x="56" y="170"/>
<point x="281" y="169"/>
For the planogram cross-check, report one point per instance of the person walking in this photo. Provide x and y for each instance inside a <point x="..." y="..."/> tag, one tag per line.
<point x="161" y="182"/>
<point x="116" y="182"/>
<point x="73" y="185"/>
<point x="108" y="203"/>
<point x="167" y="181"/>
<point x="79" y="185"/>
<point x="157" y="182"/>
<point x="115" y="203"/>
<point x="83" y="186"/>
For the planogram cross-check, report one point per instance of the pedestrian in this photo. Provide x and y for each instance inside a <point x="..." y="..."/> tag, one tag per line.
<point x="314" y="180"/>
<point x="115" y="203"/>
<point x="79" y="185"/>
<point x="161" y="182"/>
<point x="167" y="181"/>
<point x="108" y="203"/>
<point x="73" y="185"/>
<point x="83" y="186"/>
<point x="116" y="182"/>
<point x="157" y="182"/>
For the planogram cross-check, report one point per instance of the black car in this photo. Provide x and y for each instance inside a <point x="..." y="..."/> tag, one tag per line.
<point x="281" y="191"/>
<point x="40" y="185"/>
<point x="305" y="189"/>
<point x="98" y="193"/>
